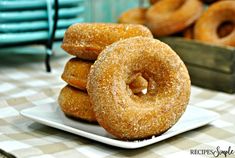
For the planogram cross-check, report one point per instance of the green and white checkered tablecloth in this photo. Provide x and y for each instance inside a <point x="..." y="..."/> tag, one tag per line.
<point x="24" y="83"/>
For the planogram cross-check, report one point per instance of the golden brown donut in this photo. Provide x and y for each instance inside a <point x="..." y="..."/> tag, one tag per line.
<point x="76" y="104"/>
<point x="87" y="40"/>
<point x="128" y="116"/>
<point x="222" y="31"/>
<point x="171" y="16"/>
<point x="76" y="72"/>
<point x="217" y="14"/>
<point x="133" y="16"/>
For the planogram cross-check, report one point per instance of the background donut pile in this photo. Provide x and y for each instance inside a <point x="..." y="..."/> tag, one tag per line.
<point x="211" y="21"/>
<point x="85" y="42"/>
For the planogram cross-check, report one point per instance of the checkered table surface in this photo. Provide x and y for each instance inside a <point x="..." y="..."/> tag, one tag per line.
<point x="24" y="83"/>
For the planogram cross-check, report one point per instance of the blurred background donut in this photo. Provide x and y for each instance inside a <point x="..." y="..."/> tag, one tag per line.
<point x="219" y="17"/>
<point x="167" y="17"/>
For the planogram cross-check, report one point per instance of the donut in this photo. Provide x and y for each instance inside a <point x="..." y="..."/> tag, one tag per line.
<point x="207" y="25"/>
<point x="75" y="103"/>
<point x="171" y="16"/>
<point x="87" y="40"/>
<point x="133" y="16"/>
<point x="76" y="72"/>
<point x="222" y="31"/>
<point x="128" y="116"/>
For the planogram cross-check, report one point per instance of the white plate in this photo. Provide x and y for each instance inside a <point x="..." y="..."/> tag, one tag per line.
<point x="51" y="115"/>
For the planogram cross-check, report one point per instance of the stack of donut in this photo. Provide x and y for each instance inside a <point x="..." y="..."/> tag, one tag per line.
<point x="85" y="42"/>
<point x="113" y="63"/>
<point x="211" y="21"/>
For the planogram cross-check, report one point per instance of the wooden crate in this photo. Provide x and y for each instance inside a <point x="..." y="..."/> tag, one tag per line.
<point x="209" y="66"/>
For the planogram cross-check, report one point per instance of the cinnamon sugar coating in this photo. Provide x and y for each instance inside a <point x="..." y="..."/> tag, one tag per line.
<point x="76" y="104"/>
<point x="76" y="72"/>
<point x="87" y="40"/>
<point x="124" y="114"/>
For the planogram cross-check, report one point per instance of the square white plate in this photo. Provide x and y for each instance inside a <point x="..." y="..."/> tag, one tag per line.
<point x="51" y="115"/>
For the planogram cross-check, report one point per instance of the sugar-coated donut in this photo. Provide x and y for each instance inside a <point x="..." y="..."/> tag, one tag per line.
<point x="217" y="14"/>
<point x="128" y="116"/>
<point x="167" y="17"/>
<point x="87" y="40"/>
<point x="133" y="16"/>
<point x="76" y="72"/>
<point x="76" y="104"/>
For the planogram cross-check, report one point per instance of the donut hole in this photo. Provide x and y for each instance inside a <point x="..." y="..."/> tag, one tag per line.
<point x="156" y="75"/>
<point x="137" y="84"/>
<point x="141" y="85"/>
<point x="225" y="29"/>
